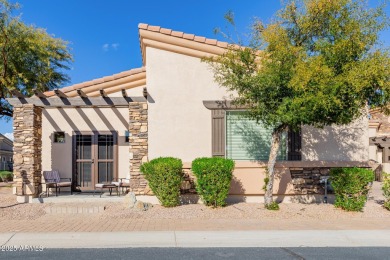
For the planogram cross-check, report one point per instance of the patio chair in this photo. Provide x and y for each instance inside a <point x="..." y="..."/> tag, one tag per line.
<point x="121" y="183"/>
<point x="53" y="180"/>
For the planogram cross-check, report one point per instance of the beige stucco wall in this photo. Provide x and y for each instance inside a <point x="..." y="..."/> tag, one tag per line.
<point x="58" y="156"/>
<point x="179" y="124"/>
<point x="336" y="143"/>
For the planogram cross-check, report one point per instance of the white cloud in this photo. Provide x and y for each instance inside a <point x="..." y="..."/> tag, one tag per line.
<point x="9" y="136"/>
<point x="105" y="46"/>
<point x="110" y="46"/>
<point x="115" y="46"/>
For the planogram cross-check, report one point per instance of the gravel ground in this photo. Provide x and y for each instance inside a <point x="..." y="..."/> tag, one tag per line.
<point x="9" y="209"/>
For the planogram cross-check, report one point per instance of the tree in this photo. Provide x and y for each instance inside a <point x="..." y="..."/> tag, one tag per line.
<point x="30" y="58"/>
<point x="317" y="63"/>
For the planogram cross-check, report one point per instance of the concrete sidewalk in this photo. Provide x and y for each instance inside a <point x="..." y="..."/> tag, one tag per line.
<point x="308" y="238"/>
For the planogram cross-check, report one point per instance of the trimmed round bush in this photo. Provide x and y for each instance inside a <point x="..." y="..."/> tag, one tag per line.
<point x="386" y="190"/>
<point x="165" y="175"/>
<point x="351" y="186"/>
<point x="213" y="178"/>
<point x="6" y="176"/>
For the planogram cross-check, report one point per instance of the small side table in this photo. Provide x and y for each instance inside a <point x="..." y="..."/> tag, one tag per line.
<point x="108" y="186"/>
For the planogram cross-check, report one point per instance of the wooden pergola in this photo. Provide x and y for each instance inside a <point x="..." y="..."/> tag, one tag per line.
<point x="62" y="100"/>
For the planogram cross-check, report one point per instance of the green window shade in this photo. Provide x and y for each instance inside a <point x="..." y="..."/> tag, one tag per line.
<point x="248" y="140"/>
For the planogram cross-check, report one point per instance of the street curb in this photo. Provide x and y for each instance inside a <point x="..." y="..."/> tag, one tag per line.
<point x="194" y="239"/>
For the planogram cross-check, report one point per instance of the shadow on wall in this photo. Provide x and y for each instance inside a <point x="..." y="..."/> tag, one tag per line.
<point x="335" y="143"/>
<point x="236" y="188"/>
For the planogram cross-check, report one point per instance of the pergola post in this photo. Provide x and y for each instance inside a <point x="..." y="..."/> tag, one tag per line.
<point x="138" y="139"/>
<point x="27" y="151"/>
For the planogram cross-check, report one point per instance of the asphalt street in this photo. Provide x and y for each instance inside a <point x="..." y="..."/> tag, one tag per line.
<point x="204" y="253"/>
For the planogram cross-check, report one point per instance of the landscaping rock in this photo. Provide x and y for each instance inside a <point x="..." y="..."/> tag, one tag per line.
<point x="139" y="205"/>
<point x="130" y="200"/>
<point x="142" y="206"/>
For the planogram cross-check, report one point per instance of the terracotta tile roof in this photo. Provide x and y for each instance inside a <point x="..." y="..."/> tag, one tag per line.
<point x="183" y="35"/>
<point x="96" y="82"/>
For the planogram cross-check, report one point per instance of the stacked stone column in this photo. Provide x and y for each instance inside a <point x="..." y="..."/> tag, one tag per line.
<point x="27" y="151"/>
<point x="138" y="128"/>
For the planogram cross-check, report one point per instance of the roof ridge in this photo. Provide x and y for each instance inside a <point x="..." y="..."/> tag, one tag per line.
<point x="186" y="36"/>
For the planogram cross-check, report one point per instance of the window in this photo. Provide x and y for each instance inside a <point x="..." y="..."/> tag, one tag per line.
<point x="59" y="137"/>
<point x="127" y="135"/>
<point x="235" y="136"/>
<point x="248" y="140"/>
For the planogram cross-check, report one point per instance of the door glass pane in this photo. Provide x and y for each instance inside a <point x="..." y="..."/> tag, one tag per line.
<point x="83" y="147"/>
<point x="105" y="172"/>
<point x="106" y="147"/>
<point x="102" y="172"/>
<point x="84" y="173"/>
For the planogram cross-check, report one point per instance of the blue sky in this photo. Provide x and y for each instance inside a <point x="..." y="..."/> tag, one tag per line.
<point x="103" y="35"/>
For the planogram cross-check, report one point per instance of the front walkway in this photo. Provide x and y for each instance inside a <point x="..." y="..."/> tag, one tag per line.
<point x="51" y="223"/>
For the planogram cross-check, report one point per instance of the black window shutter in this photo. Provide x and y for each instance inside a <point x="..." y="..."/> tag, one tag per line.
<point x="294" y="145"/>
<point x="218" y="133"/>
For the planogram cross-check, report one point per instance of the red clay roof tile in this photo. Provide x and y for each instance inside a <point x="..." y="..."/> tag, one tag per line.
<point x="99" y="80"/>
<point x="177" y="34"/>
<point x="186" y="36"/>
<point x="154" y="28"/>
<point x="166" y="31"/>
<point x="200" y="39"/>
<point x="211" y="41"/>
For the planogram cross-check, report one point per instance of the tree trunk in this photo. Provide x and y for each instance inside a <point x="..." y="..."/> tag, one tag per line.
<point x="268" y="199"/>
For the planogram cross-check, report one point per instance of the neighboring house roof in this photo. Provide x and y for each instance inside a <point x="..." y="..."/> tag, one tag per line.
<point x="150" y="36"/>
<point x="179" y="42"/>
<point x="7" y="141"/>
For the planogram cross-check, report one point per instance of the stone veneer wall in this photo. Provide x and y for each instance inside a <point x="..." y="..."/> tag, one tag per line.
<point x="307" y="180"/>
<point x="138" y="139"/>
<point x="27" y="151"/>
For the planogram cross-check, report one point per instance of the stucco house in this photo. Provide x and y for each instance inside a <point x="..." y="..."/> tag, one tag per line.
<point x="6" y="146"/>
<point x="171" y="106"/>
<point x="379" y="139"/>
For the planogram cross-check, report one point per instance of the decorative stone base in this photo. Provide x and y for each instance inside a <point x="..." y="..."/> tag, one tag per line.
<point x="307" y="180"/>
<point x="24" y="199"/>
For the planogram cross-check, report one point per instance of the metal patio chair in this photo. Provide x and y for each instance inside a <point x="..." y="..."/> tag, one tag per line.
<point x="53" y="180"/>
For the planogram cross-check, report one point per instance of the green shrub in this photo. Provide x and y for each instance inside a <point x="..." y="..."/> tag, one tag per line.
<point x="213" y="178"/>
<point x="165" y="175"/>
<point x="6" y="176"/>
<point x="386" y="190"/>
<point x="351" y="186"/>
<point x="273" y="206"/>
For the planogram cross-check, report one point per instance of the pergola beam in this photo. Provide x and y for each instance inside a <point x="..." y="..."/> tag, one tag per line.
<point x="39" y="94"/>
<point x="124" y="93"/>
<point x="77" y="101"/>
<point x="103" y="93"/>
<point x="81" y="93"/>
<point x="17" y="94"/>
<point x="145" y="93"/>
<point x="60" y="94"/>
